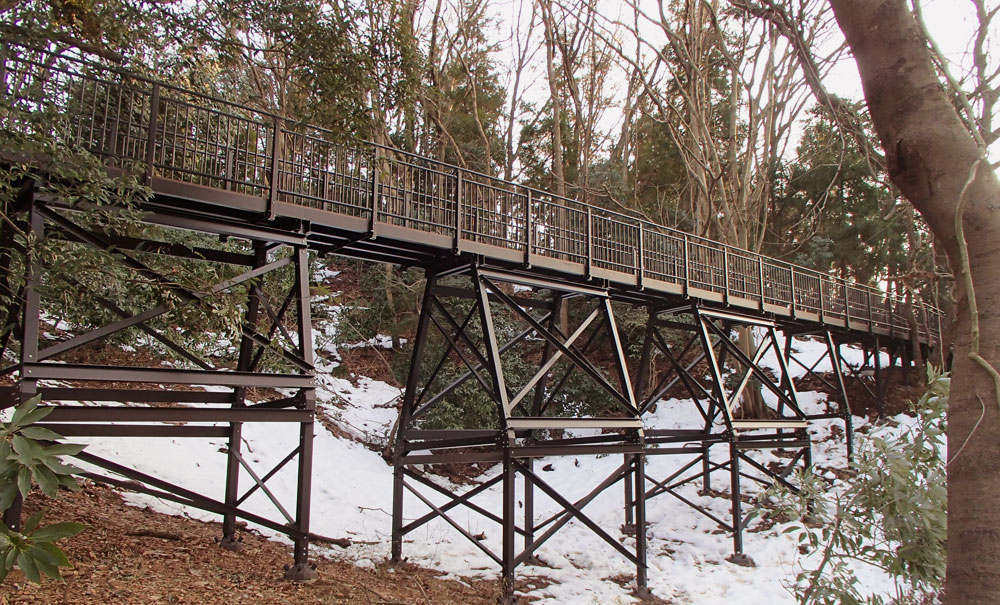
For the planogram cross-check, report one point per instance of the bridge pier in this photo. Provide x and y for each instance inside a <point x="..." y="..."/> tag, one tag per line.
<point x="708" y="344"/>
<point x="470" y="400"/>
<point x="266" y="378"/>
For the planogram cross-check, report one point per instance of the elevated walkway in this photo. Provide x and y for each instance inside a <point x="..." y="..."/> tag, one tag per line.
<point x="485" y="244"/>
<point x="236" y="170"/>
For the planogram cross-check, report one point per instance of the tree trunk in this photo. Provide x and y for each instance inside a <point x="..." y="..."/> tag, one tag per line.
<point x="930" y="156"/>
<point x="558" y="167"/>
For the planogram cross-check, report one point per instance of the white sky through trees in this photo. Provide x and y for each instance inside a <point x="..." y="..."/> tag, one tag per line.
<point x="951" y="23"/>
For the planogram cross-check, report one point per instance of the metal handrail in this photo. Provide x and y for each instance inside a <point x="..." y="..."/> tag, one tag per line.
<point x="179" y="134"/>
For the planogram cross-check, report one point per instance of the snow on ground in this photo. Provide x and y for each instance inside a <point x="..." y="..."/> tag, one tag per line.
<point x="352" y="497"/>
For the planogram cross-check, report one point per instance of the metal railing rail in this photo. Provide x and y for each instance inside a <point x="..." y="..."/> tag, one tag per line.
<point x="164" y="131"/>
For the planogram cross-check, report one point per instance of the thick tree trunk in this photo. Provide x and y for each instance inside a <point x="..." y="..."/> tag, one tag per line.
<point x="930" y="157"/>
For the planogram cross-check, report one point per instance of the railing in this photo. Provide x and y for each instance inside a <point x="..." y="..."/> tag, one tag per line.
<point x="171" y="133"/>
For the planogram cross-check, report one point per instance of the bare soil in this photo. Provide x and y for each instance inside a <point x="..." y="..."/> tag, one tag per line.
<point x="135" y="556"/>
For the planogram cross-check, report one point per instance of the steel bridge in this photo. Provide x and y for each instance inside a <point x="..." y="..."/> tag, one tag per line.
<point x="488" y="248"/>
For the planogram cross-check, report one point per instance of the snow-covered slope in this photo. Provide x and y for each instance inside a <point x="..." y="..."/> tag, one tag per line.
<point x="352" y="497"/>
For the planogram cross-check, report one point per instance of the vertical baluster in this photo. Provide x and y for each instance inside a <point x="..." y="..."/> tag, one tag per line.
<point x="791" y="288"/>
<point x="458" y="209"/>
<point x="375" y="191"/>
<point x="725" y="275"/>
<point x="687" y="266"/>
<point x="275" y="166"/>
<point x="640" y="261"/>
<point x="590" y="241"/>
<point x="529" y="226"/>
<point x="822" y="305"/>
<point x="760" y="279"/>
<point x="154" y="110"/>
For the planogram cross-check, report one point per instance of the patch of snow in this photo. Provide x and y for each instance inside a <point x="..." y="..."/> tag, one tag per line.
<point x="352" y="497"/>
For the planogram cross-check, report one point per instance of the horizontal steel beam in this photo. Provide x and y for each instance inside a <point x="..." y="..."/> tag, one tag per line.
<point x="574" y="423"/>
<point x="558" y="285"/>
<point x="67" y="371"/>
<point x="162" y="414"/>
<point x="133" y="395"/>
<point x="137" y="430"/>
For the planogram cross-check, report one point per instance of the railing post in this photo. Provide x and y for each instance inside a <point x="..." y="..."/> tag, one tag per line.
<point x="847" y="306"/>
<point x="154" y="111"/>
<point x="529" y="227"/>
<point x="640" y="262"/>
<point x="822" y="307"/>
<point x="687" y="267"/>
<point x="940" y="336"/>
<point x="924" y="325"/>
<point x="725" y="275"/>
<point x="791" y="288"/>
<point x="458" y="209"/>
<point x="275" y="166"/>
<point x="871" y="322"/>
<point x="373" y="215"/>
<point x="760" y="279"/>
<point x="889" y="315"/>
<point x="590" y="241"/>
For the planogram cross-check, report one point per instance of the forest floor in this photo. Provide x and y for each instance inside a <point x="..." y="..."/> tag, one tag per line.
<point x="129" y="555"/>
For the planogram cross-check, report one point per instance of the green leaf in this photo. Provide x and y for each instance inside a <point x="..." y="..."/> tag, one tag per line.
<point x="17" y="420"/>
<point x="46" y="480"/>
<point x="65" y="449"/>
<point x="24" y="480"/>
<point x="40" y="433"/>
<point x="56" y="554"/>
<point x="27" y="564"/>
<point x="8" y="491"/>
<point x="10" y="558"/>
<point x="29" y="413"/>
<point x="44" y="562"/>
<point x="69" y="482"/>
<point x="58" y="531"/>
<point x="32" y="523"/>
<point x="24" y="450"/>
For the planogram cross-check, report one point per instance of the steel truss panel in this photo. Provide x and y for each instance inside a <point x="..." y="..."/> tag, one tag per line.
<point x="528" y="419"/>
<point x="44" y="370"/>
<point x="710" y="343"/>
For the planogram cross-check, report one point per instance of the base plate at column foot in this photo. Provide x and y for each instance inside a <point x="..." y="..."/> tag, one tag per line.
<point x="738" y="558"/>
<point x="231" y="543"/>
<point x="645" y="595"/>
<point x="301" y="572"/>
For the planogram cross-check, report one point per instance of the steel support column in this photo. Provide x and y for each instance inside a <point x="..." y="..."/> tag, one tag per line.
<point x="229" y="540"/>
<point x="504" y="321"/>
<point x="301" y="568"/>
<point x="712" y="342"/>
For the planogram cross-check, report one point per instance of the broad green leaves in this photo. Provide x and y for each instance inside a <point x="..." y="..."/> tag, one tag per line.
<point x="28" y="456"/>
<point x="34" y="551"/>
